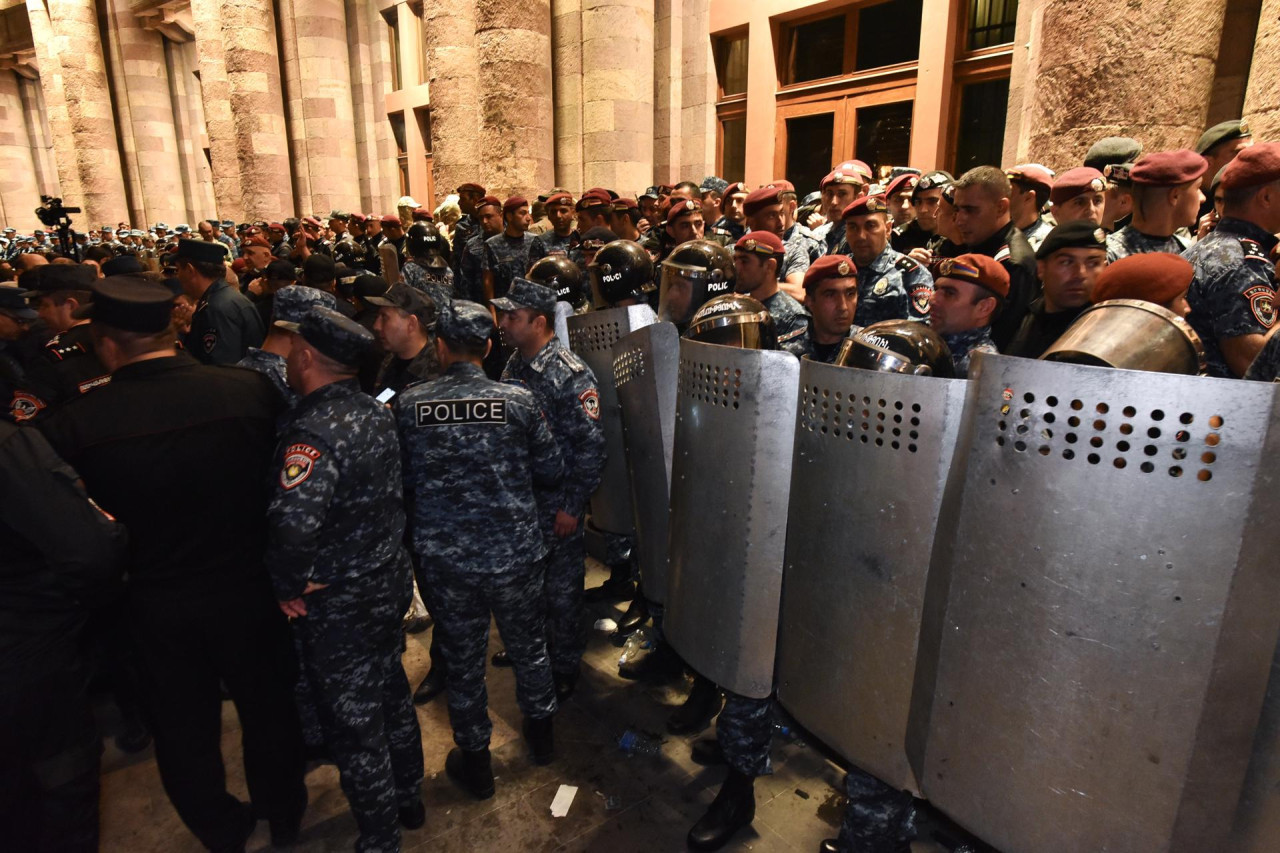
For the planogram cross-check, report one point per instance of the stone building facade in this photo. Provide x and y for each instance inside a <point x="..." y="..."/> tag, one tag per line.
<point x="177" y="110"/>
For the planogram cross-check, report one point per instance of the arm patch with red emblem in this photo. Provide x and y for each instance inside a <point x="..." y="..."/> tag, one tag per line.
<point x="590" y="400"/>
<point x="299" y="461"/>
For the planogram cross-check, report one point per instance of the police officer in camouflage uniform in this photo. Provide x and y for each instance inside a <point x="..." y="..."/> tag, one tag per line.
<point x="891" y="285"/>
<point x="831" y="298"/>
<point x="469" y="283"/>
<point x="1032" y="184"/>
<point x="341" y="573"/>
<point x="1165" y="187"/>
<point x="474" y="450"/>
<point x="562" y="239"/>
<point x="565" y="388"/>
<point x="507" y="254"/>
<point x="289" y="305"/>
<point x="427" y="269"/>
<point x="469" y="196"/>
<point x="757" y="257"/>
<point x="1232" y="296"/>
<point x="969" y="293"/>
<point x="772" y="208"/>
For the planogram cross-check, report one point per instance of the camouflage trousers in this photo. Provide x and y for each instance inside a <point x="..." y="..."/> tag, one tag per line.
<point x="463" y="602"/>
<point x="745" y="732"/>
<point x="566" y="572"/>
<point x="878" y="819"/>
<point x="351" y="642"/>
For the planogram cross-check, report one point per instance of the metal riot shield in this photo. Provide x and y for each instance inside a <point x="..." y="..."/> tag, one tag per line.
<point x="1101" y="609"/>
<point x="871" y="457"/>
<point x="563" y="312"/>
<point x="592" y="336"/>
<point x="730" y="481"/>
<point x="645" y="364"/>
<point x="1257" y="818"/>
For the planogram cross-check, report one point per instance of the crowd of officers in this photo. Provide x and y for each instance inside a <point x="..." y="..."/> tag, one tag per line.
<point x="239" y="452"/>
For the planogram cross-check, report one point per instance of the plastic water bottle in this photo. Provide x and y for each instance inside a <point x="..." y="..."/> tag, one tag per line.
<point x="634" y="743"/>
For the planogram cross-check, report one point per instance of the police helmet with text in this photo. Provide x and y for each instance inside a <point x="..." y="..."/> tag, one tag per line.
<point x="564" y="277"/>
<point x="692" y="274"/>
<point x="621" y="270"/>
<point x="898" y="346"/>
<point x="734" y="320"/>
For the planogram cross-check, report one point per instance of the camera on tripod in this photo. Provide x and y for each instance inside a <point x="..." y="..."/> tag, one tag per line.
<point x="53" y="214"/>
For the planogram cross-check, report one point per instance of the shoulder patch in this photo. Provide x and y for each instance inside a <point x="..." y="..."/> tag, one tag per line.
<point x="590" y="400"/>
<point x="459" y="412"/>
<point x="792" y="335"/>
<point x="210" y="340"/>
<point x="922" y="299"/>
<point x="59" y="350"/>
<point x="299" y="461"/>
<point x="25" y="406"/>
<point x="1262" y="303"/>
<point x="906" y="263"/>
<point x="1003" y="254"/>
<point x="1253" y="251"/>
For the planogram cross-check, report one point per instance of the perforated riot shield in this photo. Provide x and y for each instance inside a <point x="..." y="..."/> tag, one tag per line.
<point x="730" y="480"/>
<point x="592" y="336"/>
<point x="1101" y="609"/>
<point x="645" y="364"/>
<point x="871" y="457"/>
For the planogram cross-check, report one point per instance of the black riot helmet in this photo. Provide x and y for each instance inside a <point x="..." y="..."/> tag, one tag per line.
<point x="621" y="270"/>
<point x="693" y="273"/>
<point x="425" y="241"/>
<point x="898" y="346"/>
<point x="734" y="320"/>
<point x="348" y="252"/>
<point x="563" y="276"/>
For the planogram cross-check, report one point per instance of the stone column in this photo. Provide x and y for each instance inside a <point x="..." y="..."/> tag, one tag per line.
<point x="566" y="51"/>
<point x="73" y="73"/>
<point x="668" y="89"/>
<point x="369" y="84"/>
<point x="1262" y="98"/>
<point x="39" y="135"/>
<point x="617" y="94"/>
<point x="698" y="92"/>
<point x="1105" y="71"/>
<point x="513" y="39"/>
<point x="453" y="78"/>
<point x="244" y="113"/>
<point x="19" y="194"/>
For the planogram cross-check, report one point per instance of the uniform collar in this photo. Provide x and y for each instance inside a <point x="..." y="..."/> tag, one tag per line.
<point x="543" y="356"/>
<point x="152" y="366"/>
<point x="464" y="368"/>
<point x="1246" y="229"/>
<point x="332" y="391"/>
<point x="882" y="261"/>
<point x="966" y="340"/>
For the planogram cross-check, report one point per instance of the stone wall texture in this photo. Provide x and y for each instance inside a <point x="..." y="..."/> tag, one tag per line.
<point x="1262" y="97"/>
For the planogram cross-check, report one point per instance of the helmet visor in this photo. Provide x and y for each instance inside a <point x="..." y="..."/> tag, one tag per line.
<point x="685" y="288"/>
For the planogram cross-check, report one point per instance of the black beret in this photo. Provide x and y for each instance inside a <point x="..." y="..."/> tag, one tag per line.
<point x="1077" y="234"/>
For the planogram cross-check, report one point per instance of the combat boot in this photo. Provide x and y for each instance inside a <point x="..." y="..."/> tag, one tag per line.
<point x="566" y="684"/>
<point x="617" y="588"/>
<point x="733" y="808"/>
<point x="431" y="687"/>
<point x="696" y="712"/>
<point x="471" y="770"/>
<point x="637" y="614"/>
<point x="538" y="734"/>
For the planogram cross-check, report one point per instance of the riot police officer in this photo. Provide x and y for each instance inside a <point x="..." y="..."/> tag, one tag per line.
<point x="1165" y="187"/>
<point x="757" y="258"/>
<point x="427" y="269"/>
<point x="831" y="298"/>
<point x="474" y="450"/>
<point x="695" y="272"/>
<point x="1068" y="263"/>
<point x="565" y="388"/>
<point x="891" y="285"/>
<point x="469" y="283"/>
<point x="968" y="294"/>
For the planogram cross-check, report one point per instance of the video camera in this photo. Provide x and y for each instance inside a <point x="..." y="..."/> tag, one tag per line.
<point x="54" y="215"/>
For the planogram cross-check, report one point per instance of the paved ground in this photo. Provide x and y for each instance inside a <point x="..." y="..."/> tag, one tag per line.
<point x="623" y="803"/>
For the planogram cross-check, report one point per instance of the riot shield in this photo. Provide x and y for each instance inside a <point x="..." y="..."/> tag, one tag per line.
<point x="871" y="457"/>
<point x="592" y="336"/>
<point x="1257" y="818"/>
<point x="645" y="363"/>
<point x="730" y="480"/>
<point x="563" y="312"/>
<point x="1100" y="615"/>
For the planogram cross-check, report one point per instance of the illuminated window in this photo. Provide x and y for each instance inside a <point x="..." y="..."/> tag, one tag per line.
<point x="991" y="22"/>
<point x="731" y="65"/>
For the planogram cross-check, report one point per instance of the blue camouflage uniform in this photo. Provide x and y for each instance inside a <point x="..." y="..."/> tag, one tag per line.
<point x="507" y="257"/>
<point x="1233" y="290"/>
<point x="473" y="451"/>
<point x="1038" y="230"/>
<point x="271" y="366"/>
<point x="802" y="249"/>
<point x="964" y="344"/>
<point x="1130" y="241"/>
<point x="289" y="305"/>
<point x="893" y="287"/>
<point x="800" y="343"/>
<point x="788" y="314"/>
<point x="469" y="283"/>
<point x="565" y="388"/>
<point x="436" y="283"/>
<point x="878" y="819"/>
<point x="551" y="243"/>
<point x="337" y="519"/>
<point x="1266" y="367"/>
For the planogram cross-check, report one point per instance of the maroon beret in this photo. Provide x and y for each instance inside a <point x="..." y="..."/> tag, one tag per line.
<point x="260" y="242"/>
<point x="390" y="219"/>
<point x="736" y="188"/>
<point x="311" y="220"/>
<point x="766" y="244"/>
<point x="1077" y="181"/>
<point x="593" y="199"/>
<point x="355" y="217"/>
<point x="514" y="203"/>
<point x="783" y="185"/>
<point x="857" y="168"/>
<point x="559" y="198"/>
<point x="625" y="204"/>
<point x="865" y="206"/>
<point x="1254" y="166"/>
<point x="682" y="207"/>
<point x="470" y="188"/>
<point x="421" y="214"/>
<point x="1032" y="174"/>
<point x="278" y="228"/>
<point x="1168" y="168"/>
<point x="607" y="193"/>
<point x="758" y="200"/>
<point x="902" y="184"/>
<point x="489" y="200"/>
<point x="1158" y="277"/>
<point x="981" y="270"/>
<point x="829" y="266"/>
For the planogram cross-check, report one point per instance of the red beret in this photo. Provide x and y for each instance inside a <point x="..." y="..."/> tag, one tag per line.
<point x="601" y="191"/>
<point x="390" y="219"/>
<point x="260" y="242"/>
<point x="470" y="188"/>
<point x="355" y="217"/>
<point x="279" y="229"/>
<point x="1077" y="181"/>
<point x="840" y="176"/>
<point x="625" y="204"/>
<point x="1168" y="168"/>
<point x="766" y="244"/>
<point x="736" y="188"/>
<point x="758" y="200"/>
<point x="829" y="266"/>
<point x="866" y="206"/>
<point x="421" y="214"/>
<point x="238" y="265"/>
<point x="514" y="203"/>
<point x="1254" y="166"/>
<point x="593" y="199"/>
<point x="559" y="198"/>
<point x="1032" y="174"/>
<point x="311" y="220"/>
<point x="1158" y="277"/>
<point x="783" y="185"/>
<point x="489" y="200"/>
<point x="978" y="269"/>
<point x="902" y="184"/>
<point x="856" y="167"/>
<point x="682" y="207"/>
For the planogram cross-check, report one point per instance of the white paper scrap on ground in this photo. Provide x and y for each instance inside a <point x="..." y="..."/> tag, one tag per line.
<point x="564" y="799"/>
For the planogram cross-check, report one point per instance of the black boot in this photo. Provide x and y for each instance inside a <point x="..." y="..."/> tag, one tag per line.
<point x="472" y="771"/>
<point x="707" y="752"/>
<point x="539" y="736"/>
<point x="413" y="815"/>
<point x="659" y="664"/>
<point x="733" y="808"/>
<point x="566" y="684"/>
<point x="637" y="614"/>
<point x="828" y="845"/>
<point x="617" y="588"/>
<point x="133" y="735"/>
<point x="696" y="712"/>
<point x="431" y="687"/>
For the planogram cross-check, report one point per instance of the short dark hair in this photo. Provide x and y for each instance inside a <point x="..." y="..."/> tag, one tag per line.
<point x="98" y="253"/>
<point x="690" y="186"/>
<point x="206" y="269"/>
<point x="991" y="179"/>
<point x="1042" y="192"/>
<point x="465" y="349"/>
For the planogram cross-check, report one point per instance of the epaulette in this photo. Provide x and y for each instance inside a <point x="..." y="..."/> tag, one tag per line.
<point x="60" y="351"/>
<point x="572" y="361"/>
<point x="1002" y="255"/>
<point x="792" y="335"/>
<point x="1253" y="251"/>
<point x="906" y="263"/>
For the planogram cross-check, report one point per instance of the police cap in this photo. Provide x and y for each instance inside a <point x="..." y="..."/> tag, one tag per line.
<point x="464" y="322"/>
<point x="201" y="252"/>
<point x="338" y="337"/>
<point x="122" y="265"/>
<point x="527" y="294"/>
<point x="51" y="278"/>
<point x="291" y="303"/>
<point x="1112" y="149"/>
<point x="1077" y="234"/>
<point x="13" y="301"/>
<point x="402" y="296"/>
<point x="130" y="303"/>
<point x="937" y="179"/>
<point x="713" y="184"/>
<point x="1222" y="132"/>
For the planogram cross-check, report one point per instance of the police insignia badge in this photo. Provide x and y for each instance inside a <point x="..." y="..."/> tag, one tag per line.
<point x="299" y="460"/>
<point x="922" y="298"/>
<point x="945" y="266"/>
<point x="210" y="340"/>
<point x="590" y="400"/>
<point x="24" y="406"/>
<point x="882" y="286"/>
<point x="1262" y="302"/>
<point x="843" y="268"/>
<point x="1100" y="236"/>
